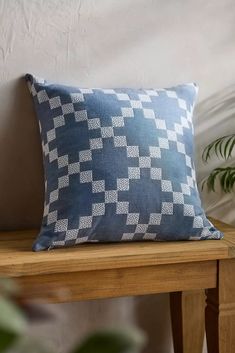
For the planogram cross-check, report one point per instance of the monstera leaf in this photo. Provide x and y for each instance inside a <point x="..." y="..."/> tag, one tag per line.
<point x="113" y="341"/>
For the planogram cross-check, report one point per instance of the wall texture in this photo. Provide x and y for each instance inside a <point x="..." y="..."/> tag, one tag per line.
<point x="109" y="43"/>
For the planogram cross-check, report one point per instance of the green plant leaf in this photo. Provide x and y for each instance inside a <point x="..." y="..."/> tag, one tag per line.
<point x="7" y="339"/>
<point x="110" y="341"/>
<point x="11" y="318"/>
<point x="231" y="147"/>
<point x="226" y="179"/>
<point x="8" y="287"/>
<point x="221" y="147"/>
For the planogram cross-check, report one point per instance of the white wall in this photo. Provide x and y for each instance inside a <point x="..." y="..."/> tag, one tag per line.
<point x="150" y="43"/>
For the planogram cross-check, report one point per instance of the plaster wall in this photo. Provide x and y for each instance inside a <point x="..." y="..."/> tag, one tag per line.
<point x="109" y="43"/>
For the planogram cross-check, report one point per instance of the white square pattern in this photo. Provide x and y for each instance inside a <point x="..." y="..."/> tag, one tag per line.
<point x="137" y="162"/>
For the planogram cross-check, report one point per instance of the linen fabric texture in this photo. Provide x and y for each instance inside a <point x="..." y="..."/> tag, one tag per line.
<point x="118" y="164"/>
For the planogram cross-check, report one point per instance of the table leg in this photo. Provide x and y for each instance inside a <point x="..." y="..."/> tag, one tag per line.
<point x="220" y="310"/>
<point x="187" y="317"/>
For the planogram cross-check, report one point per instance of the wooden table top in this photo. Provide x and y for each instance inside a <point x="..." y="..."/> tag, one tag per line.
<point x="17" y="258"/>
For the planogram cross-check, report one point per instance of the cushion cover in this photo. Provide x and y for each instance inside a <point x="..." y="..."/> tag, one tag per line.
<point x="118" y="165"/>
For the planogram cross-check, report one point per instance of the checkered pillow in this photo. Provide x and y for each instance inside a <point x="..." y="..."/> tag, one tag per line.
<point x="118" y="165"/>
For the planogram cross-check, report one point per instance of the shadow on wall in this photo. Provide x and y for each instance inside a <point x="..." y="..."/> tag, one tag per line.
<point x="215" y="117"/>
<point x="21" y="173"/>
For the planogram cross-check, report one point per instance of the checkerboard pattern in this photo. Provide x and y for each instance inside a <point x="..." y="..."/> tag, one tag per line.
<point x="118" y="165"/>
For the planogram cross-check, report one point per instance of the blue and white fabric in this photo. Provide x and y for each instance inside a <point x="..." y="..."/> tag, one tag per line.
<point x="118" y="165"/>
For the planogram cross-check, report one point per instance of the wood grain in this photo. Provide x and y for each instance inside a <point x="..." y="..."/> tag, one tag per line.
<point x="188" y="323"/>
<point x="17" y="259"/>
<point x="220" y="311"/>
<point x="93" y="271"/>
<point x="64" y="287"/>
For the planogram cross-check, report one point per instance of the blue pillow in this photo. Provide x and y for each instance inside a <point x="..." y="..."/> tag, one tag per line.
<point x="118" y="165"/>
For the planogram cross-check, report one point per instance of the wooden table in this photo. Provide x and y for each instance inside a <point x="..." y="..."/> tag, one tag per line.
<point x="92" y="271"/>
